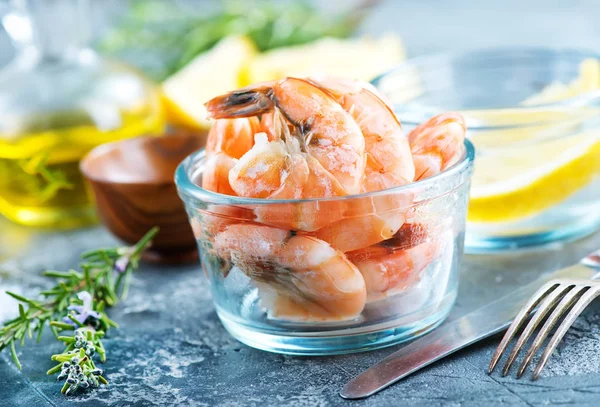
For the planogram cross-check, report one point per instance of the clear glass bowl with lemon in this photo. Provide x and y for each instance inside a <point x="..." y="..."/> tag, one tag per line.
<point x="534" y="117"/>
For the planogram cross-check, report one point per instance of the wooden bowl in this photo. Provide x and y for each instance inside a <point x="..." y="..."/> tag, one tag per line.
<point x="132" y="183"/>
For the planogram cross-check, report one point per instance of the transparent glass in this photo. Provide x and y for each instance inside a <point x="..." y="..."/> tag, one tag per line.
<point x="58" y="100"/>
<point x="536" y="177"/>
<point x="313" y="277"/>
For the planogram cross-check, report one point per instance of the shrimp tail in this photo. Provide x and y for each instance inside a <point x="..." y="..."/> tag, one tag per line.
<point x="245" y="102"/>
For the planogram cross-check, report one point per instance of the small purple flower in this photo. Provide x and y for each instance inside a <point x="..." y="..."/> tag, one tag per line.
<point x="122" y="262"/>
<point x="82" y="312"/>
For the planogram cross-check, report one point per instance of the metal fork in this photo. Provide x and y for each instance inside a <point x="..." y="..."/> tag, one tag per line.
<point x="556" y="297"/>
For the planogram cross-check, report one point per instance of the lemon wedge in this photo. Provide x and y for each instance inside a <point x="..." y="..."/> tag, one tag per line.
<point x="529" y="169"/>
<point x="219" y="70"/>
<point x="358" y="58"/>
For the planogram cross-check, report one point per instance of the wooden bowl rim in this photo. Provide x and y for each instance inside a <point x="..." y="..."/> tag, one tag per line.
<point x="98" y="152"/>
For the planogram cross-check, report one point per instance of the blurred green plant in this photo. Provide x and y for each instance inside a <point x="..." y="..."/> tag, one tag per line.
<point x="41" y="181"/>
<point x="176" y="34"/>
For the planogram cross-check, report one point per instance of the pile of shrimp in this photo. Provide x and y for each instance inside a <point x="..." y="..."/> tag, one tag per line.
<point x="321" y="137"/>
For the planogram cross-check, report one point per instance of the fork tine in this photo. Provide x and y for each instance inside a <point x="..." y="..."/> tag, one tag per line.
<point x="545" y="307"/>
<point x="577" y="309"/>
<point x="519" y="320"/>
<point x="560" y="309"/>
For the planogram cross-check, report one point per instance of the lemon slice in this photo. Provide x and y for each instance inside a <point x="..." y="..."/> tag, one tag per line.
<point x="513" y="186"/>
<point x="587" y="81"/>
<point x="531" y="168"/>
<point x="210" y="74"/>
<point x="359" y="58"/>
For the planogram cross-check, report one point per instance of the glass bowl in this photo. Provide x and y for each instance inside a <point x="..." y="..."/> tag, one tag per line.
<point x="533" y="116"/>
<point x="277" y="284"/>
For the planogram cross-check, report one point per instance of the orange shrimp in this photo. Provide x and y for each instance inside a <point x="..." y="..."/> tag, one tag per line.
<point x="263" y="170"/>
<point x="269" y="125"/>
<point x="234" y="137"/>
<point x="437" y="144"/>
<point x="396" y="264"/>
<point x="228" y="140"/>
<point x="388" y="164"/>
<point x="300" y="278"/>
<point x="367" y="221"/>
<point x="215" y="176"/>
<point x="389" y="160"/>
<point x="327" y="132"/>
<point x="280" y="170"/>
<point x="215" y="218"/>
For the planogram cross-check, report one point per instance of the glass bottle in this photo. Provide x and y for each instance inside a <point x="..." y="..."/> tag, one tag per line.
<point x="58" y="100"/>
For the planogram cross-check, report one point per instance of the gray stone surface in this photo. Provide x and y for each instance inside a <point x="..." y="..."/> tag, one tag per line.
<point x="172" y="350"/>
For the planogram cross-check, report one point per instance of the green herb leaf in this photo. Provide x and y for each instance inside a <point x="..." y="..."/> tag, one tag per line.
<point x="13" y="353"/>
<point x="18" y="297"/>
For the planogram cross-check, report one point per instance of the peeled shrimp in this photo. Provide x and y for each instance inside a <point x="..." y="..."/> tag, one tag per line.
<point x="327" y="132"/>
<point x="215" y="176"/>
<point x="269" y="124"/>
<point x="234" y="137"/>
<point x="389" y="161"/>
<point x="280" y="170"/>
<point x="208" y="223"/>
<point x="263" y="170"/>
<point x="437" y="144"/>
<point x="300" y="277"/>
<point x="215" y="218"/>
<point x="388" y="164"/>
<point x="367" y="221"/>
<point x="228" y="140"/>
<point x="395" y="265"/>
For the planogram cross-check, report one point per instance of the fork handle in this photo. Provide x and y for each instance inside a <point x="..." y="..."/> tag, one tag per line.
<point x="592" y="260"/>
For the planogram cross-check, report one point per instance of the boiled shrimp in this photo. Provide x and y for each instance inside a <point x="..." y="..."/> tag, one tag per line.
<point x="209" y="222"/>
<point x="388" y="164"/>
<point x="234" y="137"/>
<point x="395" y="265"/>
<point x="327" y="132"/>
<point x="437" y="144"/>
<point x="300" y="277"/>
<point x="228" y="140"/>
<point x="389" y="160"/>
<point x="269" y="124"/>
<point x="215" y="176"/>
<point x="367" y="221"/>
<point x="280" y="170"/>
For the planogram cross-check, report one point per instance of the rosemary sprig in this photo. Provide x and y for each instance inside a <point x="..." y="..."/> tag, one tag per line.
<point x="76" y="303"/>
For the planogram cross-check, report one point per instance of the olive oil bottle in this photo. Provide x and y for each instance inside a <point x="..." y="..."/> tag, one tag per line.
<point x="58" y="100"/>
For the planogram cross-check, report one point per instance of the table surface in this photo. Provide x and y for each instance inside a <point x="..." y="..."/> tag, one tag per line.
<point x="172" y="350"/>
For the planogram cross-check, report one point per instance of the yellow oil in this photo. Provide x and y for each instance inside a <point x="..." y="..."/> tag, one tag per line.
<point x="40" y="182"/>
